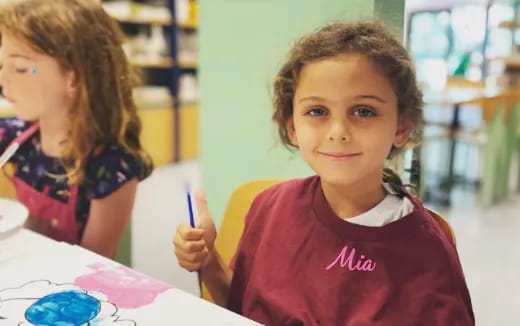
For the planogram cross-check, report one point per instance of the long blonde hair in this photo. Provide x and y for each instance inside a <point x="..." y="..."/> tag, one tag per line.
<point x="83" y="38"/>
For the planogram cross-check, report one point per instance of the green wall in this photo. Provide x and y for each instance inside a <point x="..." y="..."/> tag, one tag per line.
<point x="242" y="44"/>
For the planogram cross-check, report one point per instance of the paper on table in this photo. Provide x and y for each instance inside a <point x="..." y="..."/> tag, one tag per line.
<point x="14" y="215"/>
<point x="21" y="245"/>
<point x="124" y="296"/>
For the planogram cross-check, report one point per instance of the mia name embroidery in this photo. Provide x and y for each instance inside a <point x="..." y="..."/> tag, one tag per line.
<point x="348" y="259"/>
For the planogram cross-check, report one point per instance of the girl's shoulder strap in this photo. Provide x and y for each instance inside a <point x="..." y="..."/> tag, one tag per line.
<point x="21" y="138"/>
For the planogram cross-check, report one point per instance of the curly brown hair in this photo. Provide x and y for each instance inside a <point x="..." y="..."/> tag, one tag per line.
<point x="370" y="39"/>
<point x="83" y="38"/>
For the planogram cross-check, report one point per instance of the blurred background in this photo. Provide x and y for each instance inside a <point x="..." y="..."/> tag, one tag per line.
<point x="207" y="67"/>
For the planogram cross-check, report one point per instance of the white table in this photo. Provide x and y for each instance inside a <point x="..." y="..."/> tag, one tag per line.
<point x="33" y="267"/>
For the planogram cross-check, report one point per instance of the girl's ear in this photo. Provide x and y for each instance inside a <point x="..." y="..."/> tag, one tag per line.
<point x="71" y="81"/>
<point x="291" y="131"/>
<point x="404" y="128"/>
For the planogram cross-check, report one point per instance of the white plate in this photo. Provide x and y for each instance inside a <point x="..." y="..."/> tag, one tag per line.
<point x="13" y="215"/>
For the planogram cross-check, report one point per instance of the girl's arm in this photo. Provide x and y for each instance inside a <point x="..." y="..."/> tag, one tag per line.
<point x="217" y="277"/>
<point x="195" y="250"/>
<point x="108" y="219"/>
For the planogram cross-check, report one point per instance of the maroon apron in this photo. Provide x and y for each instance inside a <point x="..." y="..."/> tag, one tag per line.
<point x="57" y="218"/>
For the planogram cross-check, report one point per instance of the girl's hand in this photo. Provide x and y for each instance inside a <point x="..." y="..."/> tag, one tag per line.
<point x="194" y="247"/>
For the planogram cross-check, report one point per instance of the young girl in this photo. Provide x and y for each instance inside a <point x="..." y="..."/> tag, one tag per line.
<point x="66" y="75"/>
<point x="349" y="246"/>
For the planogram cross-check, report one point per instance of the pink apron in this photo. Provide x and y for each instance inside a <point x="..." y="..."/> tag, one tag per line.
<point x="58" y="218"/>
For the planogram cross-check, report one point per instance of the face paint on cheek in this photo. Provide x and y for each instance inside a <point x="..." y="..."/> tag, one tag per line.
<point x="33" y="71"/>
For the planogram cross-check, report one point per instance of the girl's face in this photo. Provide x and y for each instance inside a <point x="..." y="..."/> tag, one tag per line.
<point x="345" y="120"/>
<point x="34" y="83"/>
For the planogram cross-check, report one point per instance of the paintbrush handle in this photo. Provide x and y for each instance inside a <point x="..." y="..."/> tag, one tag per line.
<point x="8" y="153"/>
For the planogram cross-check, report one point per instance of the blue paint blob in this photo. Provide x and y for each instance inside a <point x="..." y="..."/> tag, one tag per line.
<point x="69" y="308"/>
<point x="33" y="71"/>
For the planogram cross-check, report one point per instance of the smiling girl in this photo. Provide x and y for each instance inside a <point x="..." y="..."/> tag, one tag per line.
<point x="350" y="245"/>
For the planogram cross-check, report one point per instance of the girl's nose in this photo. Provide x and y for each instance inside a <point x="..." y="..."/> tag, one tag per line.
<point x="339" y="132"/>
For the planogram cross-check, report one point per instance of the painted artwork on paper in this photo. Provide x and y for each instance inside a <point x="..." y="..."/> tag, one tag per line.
<point x="125" y="287"/>
<point x="93" y="299"/>
<point x="43" y="303"/>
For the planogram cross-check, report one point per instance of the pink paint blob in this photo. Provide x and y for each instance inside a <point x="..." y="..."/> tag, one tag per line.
<point x="124" y="287"/>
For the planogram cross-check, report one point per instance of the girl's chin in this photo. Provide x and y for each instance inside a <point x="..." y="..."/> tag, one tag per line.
<point x="24" y="115"/>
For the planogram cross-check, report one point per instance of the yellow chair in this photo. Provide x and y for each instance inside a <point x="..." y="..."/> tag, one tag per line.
<point x="6" y="187"/>
<point x="233" y="222"/>
<point x="446" y="227"/>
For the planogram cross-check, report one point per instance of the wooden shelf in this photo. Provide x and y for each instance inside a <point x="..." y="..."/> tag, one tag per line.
<point x="164" y="63"/>
<point x="508" y="25"/>
<point x="141" y="21"/>
<point x="157" y="136"/>
<point x="463" y="82"/>
<point x="511" y="61"/>
<point x="189" y="104"/>
<point x="188" y="25"/>
<point x="163" y="22"/>
<point x="188" y="64"/>
<point x="189" y="132"/>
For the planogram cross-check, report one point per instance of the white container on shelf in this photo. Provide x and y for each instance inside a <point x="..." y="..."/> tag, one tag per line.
<point x="157" y="47"/>
<point x="182" y="11"/>
<point x="187" y="47"/>
<point x="118" y="9"/>
<point x="152" y="97"/>
<point x="150" y="13"/>
<point x="188" y="89"/>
